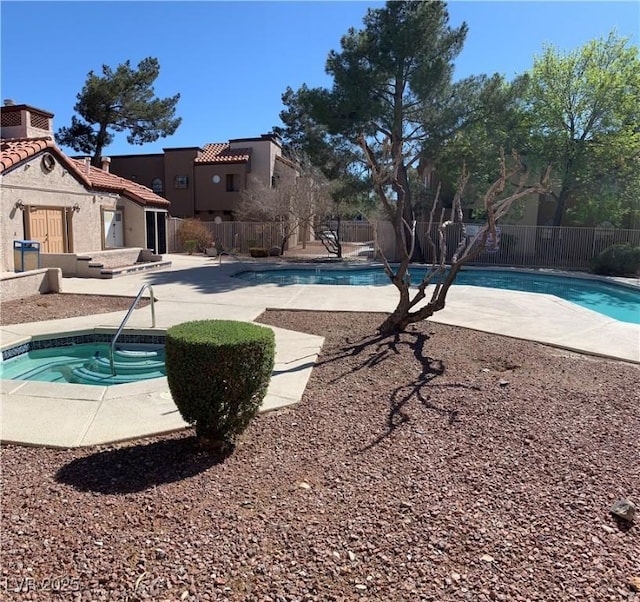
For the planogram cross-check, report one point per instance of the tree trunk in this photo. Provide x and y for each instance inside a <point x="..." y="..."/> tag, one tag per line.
<point x="96" y="160"/>
<point x="561" y="206"/>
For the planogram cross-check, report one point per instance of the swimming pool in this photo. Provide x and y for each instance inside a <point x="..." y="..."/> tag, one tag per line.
<point x="87" y="363"/>
<point x="616" y="301"/>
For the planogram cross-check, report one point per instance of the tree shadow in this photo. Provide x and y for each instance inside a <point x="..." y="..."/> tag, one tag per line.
<point x="208" y="278"/>
<point x="139" y="467"/>
<point x="401" y="396"/>
<point x="378" y="348"/>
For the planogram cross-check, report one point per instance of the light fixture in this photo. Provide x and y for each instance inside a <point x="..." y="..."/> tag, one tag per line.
<point x="19" y="205"/>
<point x="75" y="208"/>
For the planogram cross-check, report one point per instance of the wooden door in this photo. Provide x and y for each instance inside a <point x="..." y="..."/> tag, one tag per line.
<point x="47" y="226"/>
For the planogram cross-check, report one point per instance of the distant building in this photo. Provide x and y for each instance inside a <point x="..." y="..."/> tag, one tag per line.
<point x="208" y="182"/>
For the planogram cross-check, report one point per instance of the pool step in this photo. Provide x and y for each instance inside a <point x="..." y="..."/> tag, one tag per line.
<point x="102" y="365"/>
<point x="87" y="377"/>
<point x="130" y="365"/>
<point x="136" y="355"/>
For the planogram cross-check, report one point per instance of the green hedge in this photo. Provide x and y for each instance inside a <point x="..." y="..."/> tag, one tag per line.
<point x="617" y="260"/>
<point x="218" y="373"/>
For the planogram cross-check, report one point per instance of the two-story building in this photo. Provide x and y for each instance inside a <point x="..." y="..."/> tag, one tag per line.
<point x="207" y="182"/>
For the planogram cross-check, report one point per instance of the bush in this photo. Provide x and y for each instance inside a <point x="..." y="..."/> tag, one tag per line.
<point x="190" y="246"/>
<point x="258" y="252"/>
<point x="193" y="229"/>
<point x="275" y="251"/>
<point x="617" y="260"/>
<point x="218" y="373"/>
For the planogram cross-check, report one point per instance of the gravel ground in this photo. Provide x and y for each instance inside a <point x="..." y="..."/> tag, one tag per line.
<point x="61" y="305"/>
<point x="443" y="465"/>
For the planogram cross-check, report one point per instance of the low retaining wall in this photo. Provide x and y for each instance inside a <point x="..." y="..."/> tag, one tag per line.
<point x="79" y="264"/>
<point x="33" y="282"/>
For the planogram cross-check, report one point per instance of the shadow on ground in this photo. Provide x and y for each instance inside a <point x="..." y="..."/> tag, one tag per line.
<point x="375" y="350"/>
<point x="214" y="278"/>
<point x="206" y="279"/>
<point x="139" y="467"/>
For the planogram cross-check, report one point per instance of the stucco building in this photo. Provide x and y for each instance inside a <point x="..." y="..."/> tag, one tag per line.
<point x="70" y="207"/>
<point x="207" y="182"/>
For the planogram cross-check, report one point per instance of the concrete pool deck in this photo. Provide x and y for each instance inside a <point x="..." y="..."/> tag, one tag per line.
<point x="195" y="287"/>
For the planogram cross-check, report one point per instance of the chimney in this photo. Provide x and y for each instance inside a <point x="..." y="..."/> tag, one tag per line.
<point x="87" y="165"/>
<point x="106" y="161"/>
<point x="24" y="121"/>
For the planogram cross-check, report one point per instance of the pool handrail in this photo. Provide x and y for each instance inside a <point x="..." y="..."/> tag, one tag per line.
<point x="124" y="321"/>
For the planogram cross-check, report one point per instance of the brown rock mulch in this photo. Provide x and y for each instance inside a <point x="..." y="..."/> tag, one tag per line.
<point x="52" y="306"/>
<point x="443" y="464"/>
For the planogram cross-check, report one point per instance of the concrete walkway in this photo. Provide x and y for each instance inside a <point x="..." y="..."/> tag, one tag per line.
<point x="195" y="287"/>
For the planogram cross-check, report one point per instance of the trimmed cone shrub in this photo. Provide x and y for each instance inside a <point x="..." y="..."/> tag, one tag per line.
<point x="617" y="260"/>
<point x="218" y="373"/>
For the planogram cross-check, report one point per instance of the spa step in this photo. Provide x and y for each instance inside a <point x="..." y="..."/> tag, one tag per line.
<point x="84" y="376"/>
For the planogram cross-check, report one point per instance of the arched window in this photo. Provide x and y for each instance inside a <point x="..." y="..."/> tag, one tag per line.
<point x="157" y="185"/>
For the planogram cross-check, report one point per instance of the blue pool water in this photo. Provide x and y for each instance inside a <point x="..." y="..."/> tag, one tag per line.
<point x="618" y="302"/>
<point x="86" y="363"/>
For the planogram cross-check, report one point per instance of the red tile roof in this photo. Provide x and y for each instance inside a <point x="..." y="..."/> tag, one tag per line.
<point x="14" y="151"/>
<point x="221" y="152"/>
<point x="103" y="180"/>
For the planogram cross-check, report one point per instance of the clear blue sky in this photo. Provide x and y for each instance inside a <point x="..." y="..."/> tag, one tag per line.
<point x="231" y="61"/>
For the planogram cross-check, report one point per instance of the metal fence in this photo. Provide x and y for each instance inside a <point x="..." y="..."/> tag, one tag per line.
<point x="537" y="246"/>
<point x="516" y="246"/>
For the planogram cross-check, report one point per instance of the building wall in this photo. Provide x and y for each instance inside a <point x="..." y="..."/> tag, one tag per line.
<point x="263" y="156"/>
<point x="134" y="224"/>
<point x="212" y="199"/>
<point x="142" y="169"/>
<point x="31" y="184"/>
<point x="202" y="197"/>
<point x="179" y="162"/>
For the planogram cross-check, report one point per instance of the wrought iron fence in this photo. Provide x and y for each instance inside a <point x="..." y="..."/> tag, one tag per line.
<point x="536" y="246"/>
<point x="516" y="245"/>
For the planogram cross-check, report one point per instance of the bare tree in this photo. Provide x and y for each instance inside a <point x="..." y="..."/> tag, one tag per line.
<point x="496" y="201"/>
<point x="293" y="202"/>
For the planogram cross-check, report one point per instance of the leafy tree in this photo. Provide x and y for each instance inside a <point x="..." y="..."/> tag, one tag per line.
<point x="307" y="142"/>
<point x="120" y="100"/>
<point x="485" y="115"/>
<point x="584" y="109"/>
<point x="393" y="100"/>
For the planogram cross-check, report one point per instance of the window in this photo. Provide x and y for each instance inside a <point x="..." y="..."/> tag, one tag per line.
<point x="181" y="182"/>
<point x="157" y="186"/>
<point x="231" y="182"/>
